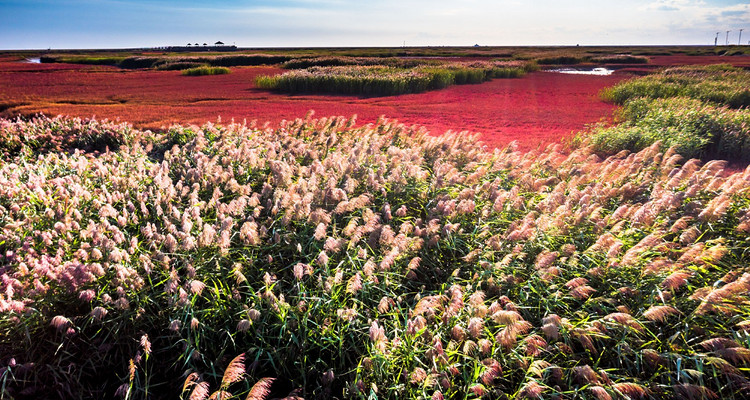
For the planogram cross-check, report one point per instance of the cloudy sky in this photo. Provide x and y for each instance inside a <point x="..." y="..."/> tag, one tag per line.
<point x="41" y="24"/>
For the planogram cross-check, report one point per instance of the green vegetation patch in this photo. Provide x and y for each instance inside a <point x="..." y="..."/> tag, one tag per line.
<point x="721" y="83"/>
<point x="697" y="110"/>
<point x="694" y="128"/>
<point x="381" y="80"/>
<point x="205" y="70"/>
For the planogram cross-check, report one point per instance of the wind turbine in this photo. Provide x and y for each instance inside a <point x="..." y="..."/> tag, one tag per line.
<point x="739" y="41"/>
<point x="728" y="38"/>
<point x="716" y="39"/>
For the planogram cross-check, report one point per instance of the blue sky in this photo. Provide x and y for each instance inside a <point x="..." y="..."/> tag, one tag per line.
<point x="41" y="24"/>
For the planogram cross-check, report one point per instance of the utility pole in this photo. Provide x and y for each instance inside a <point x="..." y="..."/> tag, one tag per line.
<point x="728" y="38"/>
<point x="739" y="41"/>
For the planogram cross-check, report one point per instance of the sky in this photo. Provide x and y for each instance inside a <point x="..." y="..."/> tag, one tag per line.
<point x="86" y="24"/>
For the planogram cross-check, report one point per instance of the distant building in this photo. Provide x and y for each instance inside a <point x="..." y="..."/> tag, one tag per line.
<point x="195" y="47"/>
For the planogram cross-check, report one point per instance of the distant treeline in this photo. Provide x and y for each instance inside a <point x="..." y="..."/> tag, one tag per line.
<point x="169" y="62"/>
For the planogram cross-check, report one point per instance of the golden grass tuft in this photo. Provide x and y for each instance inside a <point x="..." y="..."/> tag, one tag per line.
<point x="234" y="371"/>
<point x="630" y="389"/>
<point x="261" y="389"/>
<point x="660" y="313"/>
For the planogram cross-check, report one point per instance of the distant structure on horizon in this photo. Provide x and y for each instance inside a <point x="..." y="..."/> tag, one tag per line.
<point x="190" y="47"/>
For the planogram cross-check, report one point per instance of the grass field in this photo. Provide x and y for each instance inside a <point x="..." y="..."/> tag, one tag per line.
<point x="351" y="261"/>
<point x="698" y="110"/>
<point x="319" y="258"/>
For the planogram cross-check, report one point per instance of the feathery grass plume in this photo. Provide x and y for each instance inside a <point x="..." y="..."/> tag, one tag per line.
<point x="458" y="333"/>
<point x="190" y="380"/>
<point x="718" y="343"/>
<point x="725" y="299"/>
<point x="744" y="325"/>
<point x="200" y="391"/>
<point x="385" y="304"/>
<point x="196" y="287"/>
<point x="260" y="389"/>
<point x="484" y="346"/>
<point x="478" y="389"/>
<point x="630" y="389"/>
<point x="418" y="375"/>
<point x="537" y="368"/>
<point x="713" y="254"/>
<point x="675" y="280"/>
<point x="99" y="313"/>
<point x="624" y="319"/>
<point x="87" y="295"/>
<point x="428" y="305"/>
<point x="354" y="284"/>
<point x="652" y="358"/>
<point x="220" y="395"/>
<point x="234" y="371"/>
<point x="582" y="292"/>
<point x="221" y="177"/>
<point x="576" y="282"/>
<point x="660" y="313"/>
<point x="531" y="390"/>
<point x="508" y="336"/>
<point x="244" y="325"/>
<point x="470" y="347"/>
<point x="505" y="317"/>
<point x="253" y="314"/>
<point x="584" y="338"/>
<point x="600" y="393"/>
<point x="726" y="368"/>
<point x="535" y="345"/>
<point x="377" y="332"/>
<point x="476" y="327"/>
<point x="551" y="326"/>
<point x="690" y="391"/>
<point x="145" y="344"/>
<point x="61" y="323"/>
<point x="735" y="355"/>
<point x="585" y="374"/>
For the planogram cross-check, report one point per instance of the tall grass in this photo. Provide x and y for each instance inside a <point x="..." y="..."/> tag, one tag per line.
<point x="619" y="59"/>
<point x="359" y="262"/>
<point x="721" y="84"/>
<point x="385" y="80"/>
<point x="689" y="108"/>
<point x="694" y="128"/>
<point x="205" y="70"/>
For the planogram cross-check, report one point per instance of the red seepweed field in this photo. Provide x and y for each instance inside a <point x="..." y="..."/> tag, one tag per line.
<point x="539" y="108"/>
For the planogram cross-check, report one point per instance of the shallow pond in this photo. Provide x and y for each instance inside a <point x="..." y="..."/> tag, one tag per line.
<point x="594" y="71"/>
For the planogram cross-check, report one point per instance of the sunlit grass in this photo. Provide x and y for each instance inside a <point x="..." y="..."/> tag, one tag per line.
<point x="205" y="70"/>
<point x="358" y="261"/>
<point x="385" y="80"/>
<point x="693" y="109"/>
